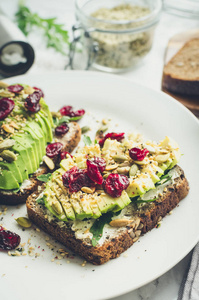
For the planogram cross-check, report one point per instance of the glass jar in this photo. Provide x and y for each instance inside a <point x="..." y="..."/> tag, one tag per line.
<point x="115" y="44"/>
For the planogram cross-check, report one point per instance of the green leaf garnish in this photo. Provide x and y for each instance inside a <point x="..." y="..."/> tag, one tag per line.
<point x="40" y="201"/>
<point x="98" y="226"/>
<point x="164" y="179"/>
<point x="44" y="177"/>
<point x="66" y="119"/>
<point x="87" y="140"/>
<point x="145" y="201"/>
<point x="54" y="34"/>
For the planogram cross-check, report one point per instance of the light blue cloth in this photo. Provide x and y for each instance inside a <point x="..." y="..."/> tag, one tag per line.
<point x="189" y="289"/>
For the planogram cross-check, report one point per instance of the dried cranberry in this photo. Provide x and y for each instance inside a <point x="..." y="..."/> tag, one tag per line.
<point x="75" y="179"/>
<point x="32" y="102"/>
<point x="79" y="113"/>
<point x="39" y="91"/>
<point x="115" y="184"/>
<point x="100" y="162"/>
<point x="6" y="106"/>
<point x="63" y="155"/>
<point x="137" y="153"/>
<point x="15" y="88"/>
<point x="112" y="136"/>
<point x="53" y="149"/>
<point x="8" y="240"/>
<point x="68" y="111"/>
<point x="62" y="129"/>
<point x="94" y="172"/>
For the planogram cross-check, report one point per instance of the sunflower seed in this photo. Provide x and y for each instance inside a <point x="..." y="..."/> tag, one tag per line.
<point x="120" y="222"/>
<point x="88" y="190"/>
<point x="49" y="162"/>
<point x="7" y="128"/>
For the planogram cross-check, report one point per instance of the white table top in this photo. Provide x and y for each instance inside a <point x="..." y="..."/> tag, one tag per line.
<point x="149" y="73"/>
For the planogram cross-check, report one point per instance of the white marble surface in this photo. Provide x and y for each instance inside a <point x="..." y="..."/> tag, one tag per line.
<point x="148" y="72"/>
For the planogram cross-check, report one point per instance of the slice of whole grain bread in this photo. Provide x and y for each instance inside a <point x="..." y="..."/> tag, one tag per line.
<point x="181" y="73"/>
<point x="143" y="220"/>
<point x="70" y="140"/>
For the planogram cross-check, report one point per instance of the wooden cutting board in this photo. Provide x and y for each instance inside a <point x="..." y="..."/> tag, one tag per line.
<point x="174" y="45"/>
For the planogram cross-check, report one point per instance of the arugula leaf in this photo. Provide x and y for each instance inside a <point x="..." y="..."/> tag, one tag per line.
<point x="44" y="177"/>
<point x="164" y="179"/>
<point x="55" y="121"/>
<point x="98" y="226"/>
<point x="55" y="36"/>
<point x="87" y="140"/>
<point x="145" y="201"/>
<point x="66" y="119"/>
<point x="40" y="201"/>
<point x="17" y="190"/>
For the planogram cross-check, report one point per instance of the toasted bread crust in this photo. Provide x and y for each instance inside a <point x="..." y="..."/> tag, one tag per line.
<point x="112" y="248"/>
<point x="70" y="140"/>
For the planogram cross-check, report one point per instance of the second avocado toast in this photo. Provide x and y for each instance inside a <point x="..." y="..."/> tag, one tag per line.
<point x="103" y="198"/>
<point x="26" y="127"/>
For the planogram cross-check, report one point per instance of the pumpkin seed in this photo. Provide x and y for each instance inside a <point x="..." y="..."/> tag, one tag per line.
<point x="119" y="158"/>
<point x="3" y="85"/>
<point x="106" y="175"/>
<point x="103" y="128"/>
<point x="55" y="114"/>
<point x="6" y="144"/>
<point x="85" y="129"/>
<point x="57" y="207"/>
<point x="5" y="93"/>
<point x="7" y="128"/>
<point x="162" y="158"/>
<point x="14" y="125"/>
<point x="24" y="222"/>
<point x="49" y="162"/>
<point x="8" y="155"/>
<point x="132" y="235"/>
<point x="133" y="170"/>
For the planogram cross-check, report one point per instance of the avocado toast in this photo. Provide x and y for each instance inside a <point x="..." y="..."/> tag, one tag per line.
<point x="99" y="202"/>
<point x="26" y="127"/>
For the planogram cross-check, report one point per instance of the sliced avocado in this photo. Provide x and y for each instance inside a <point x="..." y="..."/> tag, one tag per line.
<point x="95" y="208"/>
<point x="24" y="147"/>
<point x="49" y="135"/>
<point x="50" y="201"/>
<point x="8" y="180"/>
<point x="122" y="201"/>
<point x="68" y="209"/>
<point x="12" y="167"/>
<point x="135" y="188"/>
<point x="40" y="134"/>
<point x="37" y="142"/>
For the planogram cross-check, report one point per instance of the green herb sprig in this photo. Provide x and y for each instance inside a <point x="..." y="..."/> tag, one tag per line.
<point x="55" y="36"/>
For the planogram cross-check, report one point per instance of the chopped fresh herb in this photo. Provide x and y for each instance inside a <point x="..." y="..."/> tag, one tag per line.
<point x="44" y="177"/>
<point x="55" y="36"/>
<point x="66" y="119"/>
<point x="96" y="142"/>
<point x="87" y="140"/>
<point x="98" y="226"/>
<point x="40" y="201"/>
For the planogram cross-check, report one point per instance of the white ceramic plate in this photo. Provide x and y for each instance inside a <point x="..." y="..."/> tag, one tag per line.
<point x="132" y="107"/>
